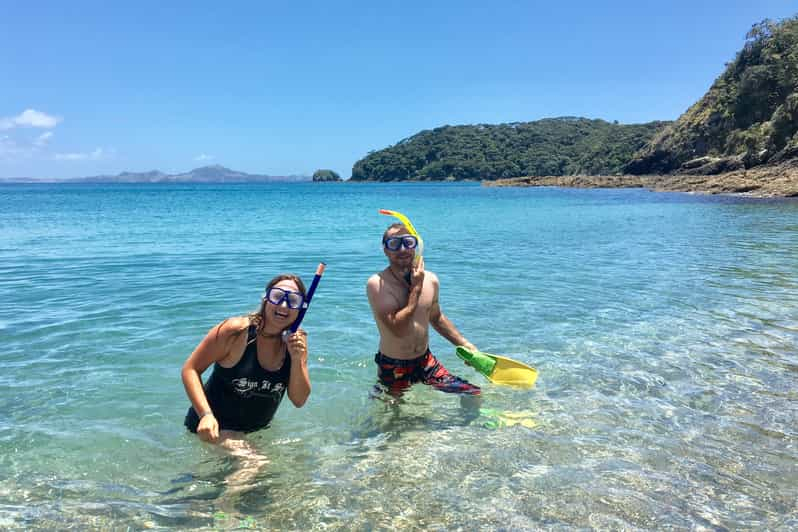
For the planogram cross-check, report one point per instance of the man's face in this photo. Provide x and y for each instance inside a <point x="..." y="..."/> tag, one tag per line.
<point x="395" y="247"/>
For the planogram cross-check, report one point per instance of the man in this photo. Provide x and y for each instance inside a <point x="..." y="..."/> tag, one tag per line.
<point x="404" y="301"/>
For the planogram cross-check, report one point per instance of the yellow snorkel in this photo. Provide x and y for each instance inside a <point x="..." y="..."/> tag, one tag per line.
<point x="402" y="218"/>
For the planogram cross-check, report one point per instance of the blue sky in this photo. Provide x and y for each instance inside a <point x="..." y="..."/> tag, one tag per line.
<point x="91" y="88"/>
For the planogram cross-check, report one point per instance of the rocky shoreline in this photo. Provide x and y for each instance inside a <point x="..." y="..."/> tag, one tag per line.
<point x="772" y="181"/>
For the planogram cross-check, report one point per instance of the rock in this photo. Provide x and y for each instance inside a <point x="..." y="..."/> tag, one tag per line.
<point x="700" y="161"/>
<point x="713" y="165"/>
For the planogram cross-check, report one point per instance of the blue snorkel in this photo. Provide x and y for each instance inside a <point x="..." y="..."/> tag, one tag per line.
<point x="308" y="297"/>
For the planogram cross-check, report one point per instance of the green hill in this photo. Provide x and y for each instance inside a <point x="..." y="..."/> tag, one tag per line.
<point x="324" y="175"/>
<point x="749" y="116"/>
<point x="553" y="146"/>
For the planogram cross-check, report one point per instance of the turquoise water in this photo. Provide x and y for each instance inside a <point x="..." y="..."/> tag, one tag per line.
<point x="664" y="327"/>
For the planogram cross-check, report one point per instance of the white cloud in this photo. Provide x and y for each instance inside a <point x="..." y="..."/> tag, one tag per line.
<point x="95" y="155"/>
<point x="42" y="139"/>
<point x="204" y="157"/>
<point x="30" y="118"/>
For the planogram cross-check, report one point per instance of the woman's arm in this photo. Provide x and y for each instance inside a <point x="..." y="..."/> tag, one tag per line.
<point x="299" y="380"/>
<point x="212" y="348"/>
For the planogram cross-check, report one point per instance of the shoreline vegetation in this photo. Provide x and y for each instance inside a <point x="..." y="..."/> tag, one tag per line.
<point x="774" y="181"/>
<point x="741" y="137"/>
<point x="565" y="145"/>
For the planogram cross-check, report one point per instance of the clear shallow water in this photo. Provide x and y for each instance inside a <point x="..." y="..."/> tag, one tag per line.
<point x="664" y="327"/>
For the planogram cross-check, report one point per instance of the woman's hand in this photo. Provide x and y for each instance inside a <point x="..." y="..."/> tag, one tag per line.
<point x="299" y="380"/>
<point x="298" y="346"/>
<point x="208" y="428"/>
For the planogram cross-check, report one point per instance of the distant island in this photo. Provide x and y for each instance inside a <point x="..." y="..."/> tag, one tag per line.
<point x="206" y="174"/>
<point x="741" y="137"/>
<point x="326" y="176"/>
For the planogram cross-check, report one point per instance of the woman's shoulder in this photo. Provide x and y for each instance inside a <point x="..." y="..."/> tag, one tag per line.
<point x="237" y="322"/>
<point x="231" y="327"/>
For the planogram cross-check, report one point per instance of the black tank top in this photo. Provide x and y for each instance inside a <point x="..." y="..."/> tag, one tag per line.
<point x="246" y="396"/>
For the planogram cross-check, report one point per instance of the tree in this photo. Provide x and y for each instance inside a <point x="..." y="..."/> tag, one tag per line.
<point x="553" y="146"/>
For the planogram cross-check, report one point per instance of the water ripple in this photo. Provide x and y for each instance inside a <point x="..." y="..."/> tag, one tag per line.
<point x="664" y="328"/>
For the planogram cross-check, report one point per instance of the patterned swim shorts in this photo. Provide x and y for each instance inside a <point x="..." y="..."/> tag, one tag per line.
<point x="397" y="375"/>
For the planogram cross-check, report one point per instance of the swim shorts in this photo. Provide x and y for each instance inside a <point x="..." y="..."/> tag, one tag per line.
<point x="397" y="375"/>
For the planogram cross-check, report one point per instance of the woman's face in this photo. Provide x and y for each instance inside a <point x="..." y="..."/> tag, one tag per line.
<point x="280" y="299"/>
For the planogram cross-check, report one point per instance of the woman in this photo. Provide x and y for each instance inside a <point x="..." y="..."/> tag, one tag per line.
<point x="254" y="365"/>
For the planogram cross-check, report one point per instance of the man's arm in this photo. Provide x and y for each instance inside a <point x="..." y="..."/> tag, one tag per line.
<point x="397" y="320"/>
<point x="443" y="325"/>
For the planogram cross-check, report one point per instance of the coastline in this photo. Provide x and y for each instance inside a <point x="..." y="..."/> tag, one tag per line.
<point x="772" y="181"/>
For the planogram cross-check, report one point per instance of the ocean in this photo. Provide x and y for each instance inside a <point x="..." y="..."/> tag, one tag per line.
<point x="664" y="328"/>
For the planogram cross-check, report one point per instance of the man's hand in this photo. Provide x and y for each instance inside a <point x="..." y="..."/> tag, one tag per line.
<point x="417" y="273"/>
<point x="471" y="347"/>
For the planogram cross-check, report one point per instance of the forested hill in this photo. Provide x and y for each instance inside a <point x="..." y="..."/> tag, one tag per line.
<point x="749" y="116"/>
<point x="553" y="146"/>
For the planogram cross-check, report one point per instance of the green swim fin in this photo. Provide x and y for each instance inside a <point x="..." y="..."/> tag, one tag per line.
<point x="480" y="362"/>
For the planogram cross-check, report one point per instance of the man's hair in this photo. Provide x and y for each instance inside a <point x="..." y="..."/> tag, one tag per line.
<point x="397" y="225"/>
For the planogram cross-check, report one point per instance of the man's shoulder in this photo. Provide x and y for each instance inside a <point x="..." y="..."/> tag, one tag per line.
<point x="376" y="278"/>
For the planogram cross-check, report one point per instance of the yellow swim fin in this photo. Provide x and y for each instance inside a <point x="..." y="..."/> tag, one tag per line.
<point x="498" y="369"/>
<point x="497" y="419"/>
